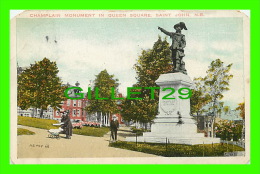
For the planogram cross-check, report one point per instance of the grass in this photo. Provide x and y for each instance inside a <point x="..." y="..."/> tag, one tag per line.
<point x="91" y="131"/>
<point x="178" y="150"/>
<point x="47" y="124"/>
<point x="21" y="131"/>
<point x="37" y="122"/>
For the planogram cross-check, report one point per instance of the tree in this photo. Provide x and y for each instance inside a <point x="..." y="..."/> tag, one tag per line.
<point x="199" y="98"/>
<point x="226" y="109"/>
<point x="150" y="65"/>
<point x="39" y="86"/>
<point x="104" y="82"/>
<point x="217" y="82"/>
<point x="241" y="109"/>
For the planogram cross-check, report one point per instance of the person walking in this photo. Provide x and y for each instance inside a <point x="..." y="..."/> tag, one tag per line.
<point x="114" y="125"/>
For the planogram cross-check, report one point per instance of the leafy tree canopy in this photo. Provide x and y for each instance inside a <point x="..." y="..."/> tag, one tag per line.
<point x="39" y="86"/>
<point x="104" y="82"/>
<point x="150" y="65"/>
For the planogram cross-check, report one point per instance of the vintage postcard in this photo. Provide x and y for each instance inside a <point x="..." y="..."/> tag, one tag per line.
<point x="130" y="87"/>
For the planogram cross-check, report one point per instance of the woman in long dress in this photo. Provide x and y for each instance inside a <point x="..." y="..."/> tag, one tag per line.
<point x="67" y="125"/>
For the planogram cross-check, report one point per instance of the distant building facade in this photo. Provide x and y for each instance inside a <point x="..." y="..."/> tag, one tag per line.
<point x="76" y="107"/>
<point x="33" y="112"/>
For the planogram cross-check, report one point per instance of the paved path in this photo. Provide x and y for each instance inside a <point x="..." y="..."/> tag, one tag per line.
<point x="40" y="146"/>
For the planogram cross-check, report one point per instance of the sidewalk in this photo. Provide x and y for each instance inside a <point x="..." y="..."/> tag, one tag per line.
<point x="40" y="146"/>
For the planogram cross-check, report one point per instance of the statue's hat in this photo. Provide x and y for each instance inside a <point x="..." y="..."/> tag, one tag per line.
<point x="182" y="25"/>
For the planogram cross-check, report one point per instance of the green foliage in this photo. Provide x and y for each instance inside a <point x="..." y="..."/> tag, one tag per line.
<point x="21" y="131"/>
<point x="39" y="86"/>
<point x="139" y="110"/>
<point x="104" y="82"/>
<point x="209" y="90"/>
<point x="199" y="98"/>
<point x="217" y="82"/>
<point x="178" y="150"/>
<point x="226" y="109"/>
<point x="241" y="109"/>
<point x="227" y="130"/>
<point x="150" y="65"/>
<point x="47" y="124"/>
<point x="91" y="131"/>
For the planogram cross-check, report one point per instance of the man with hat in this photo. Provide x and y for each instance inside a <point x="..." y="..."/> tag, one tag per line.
<point x="114" y="125"/>
<point x="177" y="47"/>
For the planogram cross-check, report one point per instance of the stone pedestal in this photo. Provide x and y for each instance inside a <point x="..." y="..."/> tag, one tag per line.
<point x="174" y="123"/>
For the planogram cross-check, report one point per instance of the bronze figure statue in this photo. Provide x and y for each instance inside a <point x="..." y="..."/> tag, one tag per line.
<point x="177" y="47"/>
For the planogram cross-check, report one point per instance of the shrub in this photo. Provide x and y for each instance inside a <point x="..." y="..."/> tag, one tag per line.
<point x="91" y="131"/>
<point x="228" y="130"/>
<point x="139" y="132"/>
<point x="178" y="150"/>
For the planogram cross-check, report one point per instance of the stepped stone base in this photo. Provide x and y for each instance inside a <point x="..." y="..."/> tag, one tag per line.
<point x="174" y="123"/>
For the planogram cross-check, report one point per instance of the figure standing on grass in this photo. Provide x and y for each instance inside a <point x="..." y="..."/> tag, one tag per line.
<point x="67" y="125"/>
<point x="177" y="47"/>
<point x="114" y="125"/>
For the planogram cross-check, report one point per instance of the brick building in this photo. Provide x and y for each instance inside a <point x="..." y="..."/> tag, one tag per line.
<point x="78" y="112"/>
<point x="76" y="107"/>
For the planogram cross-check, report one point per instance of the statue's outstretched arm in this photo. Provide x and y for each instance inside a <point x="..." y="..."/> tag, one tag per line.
<point x="164" y="31"/>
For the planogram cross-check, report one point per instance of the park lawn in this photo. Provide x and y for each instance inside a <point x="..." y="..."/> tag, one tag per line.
<point x="178" y="150"/>
<point x="37" y="122"/>
<point x="21" y="131"/>
<point x="91" y="131"/>
<point x="47" y="124"/>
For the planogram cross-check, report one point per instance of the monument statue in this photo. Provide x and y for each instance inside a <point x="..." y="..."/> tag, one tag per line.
<point x="177" y="47"/>
<point x="173" y="123"/>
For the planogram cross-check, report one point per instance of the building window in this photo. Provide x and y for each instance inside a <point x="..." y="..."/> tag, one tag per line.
<point x="79" y="103"/>
<point x="57" y="113"/>
<point x="78" y="112"/>
<point x="74" y="102"/>
<point x="68" y="102"/>
<point x="74" y="112"/>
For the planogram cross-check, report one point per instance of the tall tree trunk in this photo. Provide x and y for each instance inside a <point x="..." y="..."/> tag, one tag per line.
<point x="212" y="127"/>
<point x="109" y="119"/>
<point x="145" y="126"/>
<point x="197" y="122"/>
<point x="41" y="113"/>
<point x="101" y="119"/>
<point x="35" y="112"/>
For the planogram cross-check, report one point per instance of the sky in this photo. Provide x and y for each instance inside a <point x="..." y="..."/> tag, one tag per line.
<point x="87" y="46"/>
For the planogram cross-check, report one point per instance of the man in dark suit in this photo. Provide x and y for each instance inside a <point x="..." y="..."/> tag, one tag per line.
<point x="114" y="125"/>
